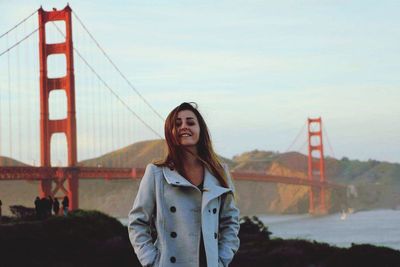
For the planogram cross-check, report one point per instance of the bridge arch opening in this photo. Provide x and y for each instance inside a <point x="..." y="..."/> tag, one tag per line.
<point x="315" y="140"/>
<point x="315" y="126"/>
<point x="57" y="105"/>
<point x="316" y="154"/>
<point x="56" y="66"/>
<point x="55" y="32"/>
<point x="58" y="150"/>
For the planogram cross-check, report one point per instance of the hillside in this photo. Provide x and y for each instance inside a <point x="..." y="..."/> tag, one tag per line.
<point x="135" y="155"/>
<point x="6" y="161"/>
<point x="377" y="183"/>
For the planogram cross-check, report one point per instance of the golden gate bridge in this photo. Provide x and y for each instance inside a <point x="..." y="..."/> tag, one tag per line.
<point x="114" y="115"/>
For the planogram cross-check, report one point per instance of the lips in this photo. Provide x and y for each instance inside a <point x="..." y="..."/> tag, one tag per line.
<point x="185" y="134"/>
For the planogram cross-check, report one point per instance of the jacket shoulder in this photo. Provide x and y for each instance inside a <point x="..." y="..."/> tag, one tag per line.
<point x="153" y="166"/>
<point x="153" y="169"/>
<point x="228" y="176"/>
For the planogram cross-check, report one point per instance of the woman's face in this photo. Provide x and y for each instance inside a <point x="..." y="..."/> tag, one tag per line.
<point x="187" y="128"/>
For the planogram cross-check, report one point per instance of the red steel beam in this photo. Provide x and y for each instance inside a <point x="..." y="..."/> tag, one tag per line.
<point x="49" y="173"/>
<point x="262" y="177"/>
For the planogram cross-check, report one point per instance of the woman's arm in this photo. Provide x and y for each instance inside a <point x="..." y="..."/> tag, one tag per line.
<point x="228" y="242"/>
<point x="140" y="218"/>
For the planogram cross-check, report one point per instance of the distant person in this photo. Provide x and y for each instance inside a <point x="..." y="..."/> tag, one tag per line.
<point x="45" y="207"/>
<point x="38" y="208"/>
<point x="56" y="206"/>
<point x="189" y="199"/>
<point x="65" y="205"/>
<point x="50" y="205"/>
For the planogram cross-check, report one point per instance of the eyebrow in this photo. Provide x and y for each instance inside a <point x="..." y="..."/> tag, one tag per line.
<point x="188" y="118"/>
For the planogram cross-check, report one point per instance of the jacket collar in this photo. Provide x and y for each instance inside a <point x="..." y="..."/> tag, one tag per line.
<point x="211" y="187"/>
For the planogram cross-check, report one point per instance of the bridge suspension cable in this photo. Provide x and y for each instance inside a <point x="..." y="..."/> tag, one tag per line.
<point x="19" y="42"/>
<point x="116" y="67"/>
<point x="287" y="150"/>
<point x="116" y="95"/>
<point x="296" y="138"/>
<point x="328" y="141"/>
<point x="16" y="26"/>
<point x="110" y="89"/>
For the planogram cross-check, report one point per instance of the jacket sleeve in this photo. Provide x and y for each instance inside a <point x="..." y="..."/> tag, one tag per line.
<point x="228" y="243"/>
<point x="140" y="217"/>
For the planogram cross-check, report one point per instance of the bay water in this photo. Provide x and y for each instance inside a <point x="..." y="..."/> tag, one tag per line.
<point x="376" y="227"/>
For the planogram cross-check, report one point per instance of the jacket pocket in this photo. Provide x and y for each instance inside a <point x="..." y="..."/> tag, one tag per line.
<point x="157" y="260"/>
<point x="220" y="264"/>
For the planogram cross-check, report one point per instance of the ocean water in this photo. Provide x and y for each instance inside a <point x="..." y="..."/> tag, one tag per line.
<point x="377" y="227"/>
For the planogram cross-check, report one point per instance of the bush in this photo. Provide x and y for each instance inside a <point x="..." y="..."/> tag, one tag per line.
<point x="22" y="212"/>
<point x="253" y="227"/>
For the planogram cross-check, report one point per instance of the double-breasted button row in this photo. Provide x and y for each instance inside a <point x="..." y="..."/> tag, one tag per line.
<point x="173" y="234"/>
<point x="172" y="209"/>
<point x="214" y="210"/>
<point x="172" y="259"/>
<point x="215" y="235"/>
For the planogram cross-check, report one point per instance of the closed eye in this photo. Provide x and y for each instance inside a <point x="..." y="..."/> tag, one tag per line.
<point x="178" y="122"/>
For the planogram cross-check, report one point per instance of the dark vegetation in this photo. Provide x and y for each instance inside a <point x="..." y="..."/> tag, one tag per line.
<point x="91" y="238"/>
<point x="83" y="238"/>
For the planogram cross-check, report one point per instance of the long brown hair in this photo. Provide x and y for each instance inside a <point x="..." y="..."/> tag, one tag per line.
<point x="206" y="154"/>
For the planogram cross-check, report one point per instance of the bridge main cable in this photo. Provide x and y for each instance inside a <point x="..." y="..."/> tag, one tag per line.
<point x="116" y="68"/>
<point x="110" y="89"/>
<point x="17" y="43"/>
<point x="16" y="26"/>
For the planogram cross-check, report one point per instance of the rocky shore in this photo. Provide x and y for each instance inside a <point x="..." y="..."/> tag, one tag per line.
<point x="91" y="238"/>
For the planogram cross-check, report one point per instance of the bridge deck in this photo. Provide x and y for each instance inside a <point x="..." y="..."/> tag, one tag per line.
<point x="58" y="173"/>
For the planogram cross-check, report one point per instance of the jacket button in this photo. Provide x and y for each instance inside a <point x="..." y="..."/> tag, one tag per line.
<point x="173" y="234"/>
<point x="215" y="235"/>
<point x="172" y="209"/>
<point x="214" y="210"/>
<point x="172" y="259"/>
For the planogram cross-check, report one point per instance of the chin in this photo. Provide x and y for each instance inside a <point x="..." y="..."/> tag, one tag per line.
<point x="188" y="144"/>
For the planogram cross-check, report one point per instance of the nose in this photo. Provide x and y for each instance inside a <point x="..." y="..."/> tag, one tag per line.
<point x="183" y="126"/>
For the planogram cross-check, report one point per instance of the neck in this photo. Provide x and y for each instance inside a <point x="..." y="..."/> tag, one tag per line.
<point x="190" y="158"/>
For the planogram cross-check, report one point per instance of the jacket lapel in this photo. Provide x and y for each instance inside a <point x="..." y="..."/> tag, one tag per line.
<point x="174" y="178"/>
<point x="211" y="188"/>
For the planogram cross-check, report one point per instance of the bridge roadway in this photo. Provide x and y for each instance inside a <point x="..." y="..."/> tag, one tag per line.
<point x="61" y="173"/>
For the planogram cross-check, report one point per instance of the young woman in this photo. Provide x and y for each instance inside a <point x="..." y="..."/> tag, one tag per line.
<point x="188" y="199"/>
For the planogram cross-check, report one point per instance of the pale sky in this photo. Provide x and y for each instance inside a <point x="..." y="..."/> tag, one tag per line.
<point x="258" y="69"/>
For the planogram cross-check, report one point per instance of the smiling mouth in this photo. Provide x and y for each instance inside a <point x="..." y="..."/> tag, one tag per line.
<point x="185" y="135"/>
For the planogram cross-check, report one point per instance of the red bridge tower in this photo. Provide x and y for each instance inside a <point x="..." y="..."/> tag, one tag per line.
<point x="316" y="166"/>
<point x="67" y="125"/>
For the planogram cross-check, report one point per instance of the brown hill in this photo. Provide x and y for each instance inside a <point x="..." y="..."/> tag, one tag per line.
<point x="112" y="197"/>
<point x="272" y="198"/>
<point x="6" y="162"/>
<point x="376" y="182"/>
<point x="135" y="155"/>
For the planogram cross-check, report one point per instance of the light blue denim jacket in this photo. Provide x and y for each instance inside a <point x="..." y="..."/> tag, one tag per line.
<point x="179" y="210"/>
